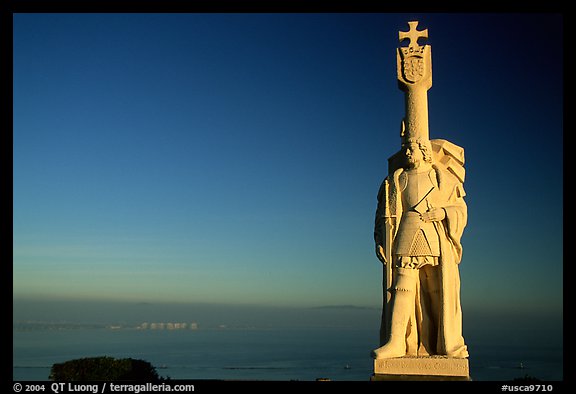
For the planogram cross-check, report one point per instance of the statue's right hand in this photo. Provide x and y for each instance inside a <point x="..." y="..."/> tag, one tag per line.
<point x="380" y="254"/>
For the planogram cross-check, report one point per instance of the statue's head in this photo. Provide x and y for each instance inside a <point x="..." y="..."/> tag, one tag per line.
<point x="417" y="151"/>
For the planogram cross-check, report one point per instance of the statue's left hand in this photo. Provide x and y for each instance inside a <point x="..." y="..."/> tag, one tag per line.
<point x="434" y="215"/>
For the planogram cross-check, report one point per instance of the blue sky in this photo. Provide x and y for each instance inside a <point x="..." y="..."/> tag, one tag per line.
<point x="236" y="158"/>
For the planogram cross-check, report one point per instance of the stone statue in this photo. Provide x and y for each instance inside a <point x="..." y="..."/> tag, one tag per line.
<point x="420" y="219"/>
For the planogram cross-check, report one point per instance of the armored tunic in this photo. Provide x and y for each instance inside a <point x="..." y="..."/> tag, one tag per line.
<point x="417" y="242"/>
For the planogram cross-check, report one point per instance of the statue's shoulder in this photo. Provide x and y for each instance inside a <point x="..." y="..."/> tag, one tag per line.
<point x="390" y="184"/>
<point x="449" y="184"/>
<point x="399" y="179"/>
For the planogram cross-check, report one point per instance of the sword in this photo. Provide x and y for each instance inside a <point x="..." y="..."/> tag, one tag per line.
<point x="388" y="267"/>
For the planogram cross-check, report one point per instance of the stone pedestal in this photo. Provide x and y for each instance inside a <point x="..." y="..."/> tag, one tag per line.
<point x="421" y="368"/>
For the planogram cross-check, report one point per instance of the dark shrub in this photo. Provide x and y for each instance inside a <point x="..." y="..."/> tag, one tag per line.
<point x="104" y="369"/>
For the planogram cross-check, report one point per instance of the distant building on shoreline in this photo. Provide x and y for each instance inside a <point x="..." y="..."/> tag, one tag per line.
<point x="167" y="326"/>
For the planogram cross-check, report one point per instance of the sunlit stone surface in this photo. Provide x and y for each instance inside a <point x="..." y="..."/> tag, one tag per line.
<point x="420" y="218"/>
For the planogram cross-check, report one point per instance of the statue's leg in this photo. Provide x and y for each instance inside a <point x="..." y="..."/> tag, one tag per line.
<point x="433" y="287"/>
<point x="402" y="308"/>
<point x="430" y="301"/>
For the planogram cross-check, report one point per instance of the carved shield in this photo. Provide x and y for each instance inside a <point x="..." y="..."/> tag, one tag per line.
<point x="413" y="68"/>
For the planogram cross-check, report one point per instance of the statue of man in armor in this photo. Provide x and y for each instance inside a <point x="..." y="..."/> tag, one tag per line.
<point x="420" y="218"/>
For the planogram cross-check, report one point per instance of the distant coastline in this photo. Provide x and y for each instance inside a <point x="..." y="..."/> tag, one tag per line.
<point x="24" y="326"/>
<point x="356" y="307"/>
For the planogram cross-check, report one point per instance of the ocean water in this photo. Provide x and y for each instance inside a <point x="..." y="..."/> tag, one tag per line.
<point x="339" y="354"/>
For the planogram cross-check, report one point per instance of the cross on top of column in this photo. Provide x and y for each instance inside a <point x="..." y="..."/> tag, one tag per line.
<point x="413" y="34"/>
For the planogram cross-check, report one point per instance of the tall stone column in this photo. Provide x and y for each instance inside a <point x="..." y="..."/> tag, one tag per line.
<point x="420" y="218"/>
<point x="414" y="68"/>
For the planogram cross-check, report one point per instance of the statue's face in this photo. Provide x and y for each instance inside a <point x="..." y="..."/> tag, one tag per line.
<point x="413" y="154"/>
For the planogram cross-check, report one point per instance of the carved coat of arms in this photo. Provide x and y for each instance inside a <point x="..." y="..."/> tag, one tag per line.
<point x="414" y="68"/>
